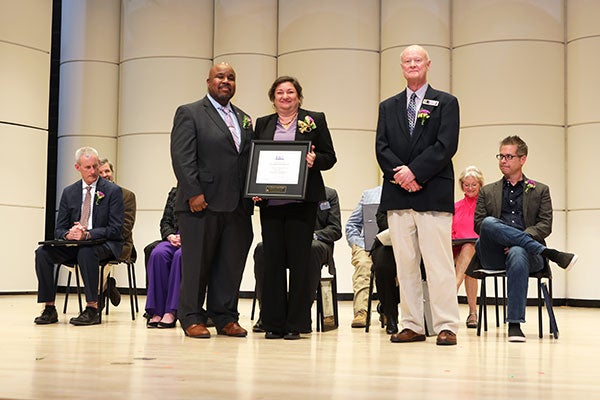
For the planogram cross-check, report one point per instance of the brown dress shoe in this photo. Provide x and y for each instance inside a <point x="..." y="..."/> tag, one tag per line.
<point x="446" y="338"/>
<point x="197" y="331"/>
<point x="233" y="329"/>
<point x="406" y="336"/>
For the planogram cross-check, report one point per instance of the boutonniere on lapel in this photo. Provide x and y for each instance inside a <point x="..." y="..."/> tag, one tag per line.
<point x="307" y="124"/>
<point x="246" y="122"/>
<point x="423" y="115"/>
<point x="99" y="196"/>
<point x="529" y="185"/>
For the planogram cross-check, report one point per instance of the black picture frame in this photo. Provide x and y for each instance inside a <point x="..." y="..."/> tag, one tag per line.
<point x="327" y="304"/>
<point x="270" y="160"/>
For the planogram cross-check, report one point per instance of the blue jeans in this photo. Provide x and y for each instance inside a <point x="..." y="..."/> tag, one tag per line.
<point x="523" y="258"/>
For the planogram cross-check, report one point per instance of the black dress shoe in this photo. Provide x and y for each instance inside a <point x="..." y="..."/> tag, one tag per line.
<point x="151" y="325"/>
<point x="292" y="335"/>
<point x="113" y="292"/>
<point x="49" y="316"/>
<point x="273" y="335"/>
<point x="391" y="327"/>
<point x="89" y="316"/>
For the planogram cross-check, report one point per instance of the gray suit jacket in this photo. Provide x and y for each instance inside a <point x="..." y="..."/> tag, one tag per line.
<point x="537" y="208"/>
<point x="205" y="159"/>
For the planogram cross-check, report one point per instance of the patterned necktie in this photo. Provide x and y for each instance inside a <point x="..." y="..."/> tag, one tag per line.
<point x="231" y="126"/>
<point x="411" y="112"/>
<point x="86" y="208"/>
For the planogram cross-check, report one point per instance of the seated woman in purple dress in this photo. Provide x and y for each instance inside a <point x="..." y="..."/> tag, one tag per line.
<point x="164" y="271"/>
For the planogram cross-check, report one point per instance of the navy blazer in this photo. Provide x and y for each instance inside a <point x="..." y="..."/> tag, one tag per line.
<point x="107" y="213"/>
<point x="205" y="160"/>
<point x="320" y="137"/>
<point x="428" y="152"/>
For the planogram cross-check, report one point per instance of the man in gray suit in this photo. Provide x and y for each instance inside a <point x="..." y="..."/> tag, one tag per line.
<point x="513" y="216"/>
<point x="210" y="146"/>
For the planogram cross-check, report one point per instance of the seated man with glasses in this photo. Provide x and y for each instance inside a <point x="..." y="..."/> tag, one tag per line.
<point x="513" y="216"/>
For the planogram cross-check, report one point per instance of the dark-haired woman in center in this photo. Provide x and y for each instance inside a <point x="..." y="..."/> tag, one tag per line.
<point x="288" y="225"/>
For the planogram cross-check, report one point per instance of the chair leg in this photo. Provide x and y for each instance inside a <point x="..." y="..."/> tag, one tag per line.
<point x="369" y="299"/>
<point x="107" y="302"/>
<point x="253" y="304"/>
<point x="539" y="305"/>
<point x="131" y="292"/>
<point x="496" y="301"/>
<point x="551" y="317"/>
<point x="504" y="299"/>
<point x="482" y="308"/>
<point x="319" y="308"/>
<point x="78" y="288"/>
<point x="100" y="296"/>
<point x="67" y="290"/>
<point x="335" y="303"/>
<point x="135" y="291"/>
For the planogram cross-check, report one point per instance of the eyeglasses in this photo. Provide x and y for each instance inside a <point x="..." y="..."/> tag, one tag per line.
<point x="506" y="157"/>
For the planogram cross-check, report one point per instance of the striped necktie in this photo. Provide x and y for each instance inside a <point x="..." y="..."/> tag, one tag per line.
<point x="231" y="126"/>
<point x="411" y="112"/>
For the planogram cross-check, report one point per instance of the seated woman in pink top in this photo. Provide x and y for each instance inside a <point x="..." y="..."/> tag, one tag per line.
<point x="471" y="180"/>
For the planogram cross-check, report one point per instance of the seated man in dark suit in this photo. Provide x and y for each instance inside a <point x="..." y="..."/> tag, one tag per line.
<point x="91" y="208"/>
<point x="107" y="172"/>
<point x="328" y="229"/>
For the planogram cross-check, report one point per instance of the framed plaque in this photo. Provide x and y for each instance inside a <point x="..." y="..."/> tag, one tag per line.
<point x="327" y="305"/>
<point x="277" y="169"/>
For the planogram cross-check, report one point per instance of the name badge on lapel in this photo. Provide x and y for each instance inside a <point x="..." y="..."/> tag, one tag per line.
<point x="429" y="102"/>
<point x="324" y="205"/>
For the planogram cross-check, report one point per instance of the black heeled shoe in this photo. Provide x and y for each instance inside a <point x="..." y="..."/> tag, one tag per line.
<point x="292" y="335"/>
<point x="164" y="325"/>
<point x="151" y="325"/>
<point x="273" y="335"/>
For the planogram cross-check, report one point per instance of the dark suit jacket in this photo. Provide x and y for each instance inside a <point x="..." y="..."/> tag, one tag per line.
<point x="205" y="159"/>
<point x="319" y="137"/>
<point x="537" y="208"/>
<point x="107" y="213"/>
<point x="328" y="226"/>
<point x="128" y="222"/>
<point x="428" y="152"/>
<point x="168" y="222"/>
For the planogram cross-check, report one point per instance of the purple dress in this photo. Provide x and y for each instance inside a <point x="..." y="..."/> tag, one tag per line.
<point x="164" y="279"/>
<point x="164" y="266"/>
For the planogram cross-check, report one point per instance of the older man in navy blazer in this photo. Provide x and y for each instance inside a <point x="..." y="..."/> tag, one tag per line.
<point x="210" y="147"/>
<point x="417" y="135"/>
<point x="102" y="219"/>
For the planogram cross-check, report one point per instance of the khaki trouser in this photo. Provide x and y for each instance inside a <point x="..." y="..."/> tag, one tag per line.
<point x="360" y="279"/>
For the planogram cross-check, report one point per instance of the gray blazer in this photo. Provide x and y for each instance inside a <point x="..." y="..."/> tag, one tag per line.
<point x="537" y="208"/>
<point x="205" y="159"/>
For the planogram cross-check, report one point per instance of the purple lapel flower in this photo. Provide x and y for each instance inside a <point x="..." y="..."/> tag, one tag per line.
<point x="99" y="196"/>
<point x="423" y="115"/>
<point x="529" y="185"/>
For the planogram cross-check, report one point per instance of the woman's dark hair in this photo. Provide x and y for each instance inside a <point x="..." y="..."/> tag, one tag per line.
<point x="281" y="80"/>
